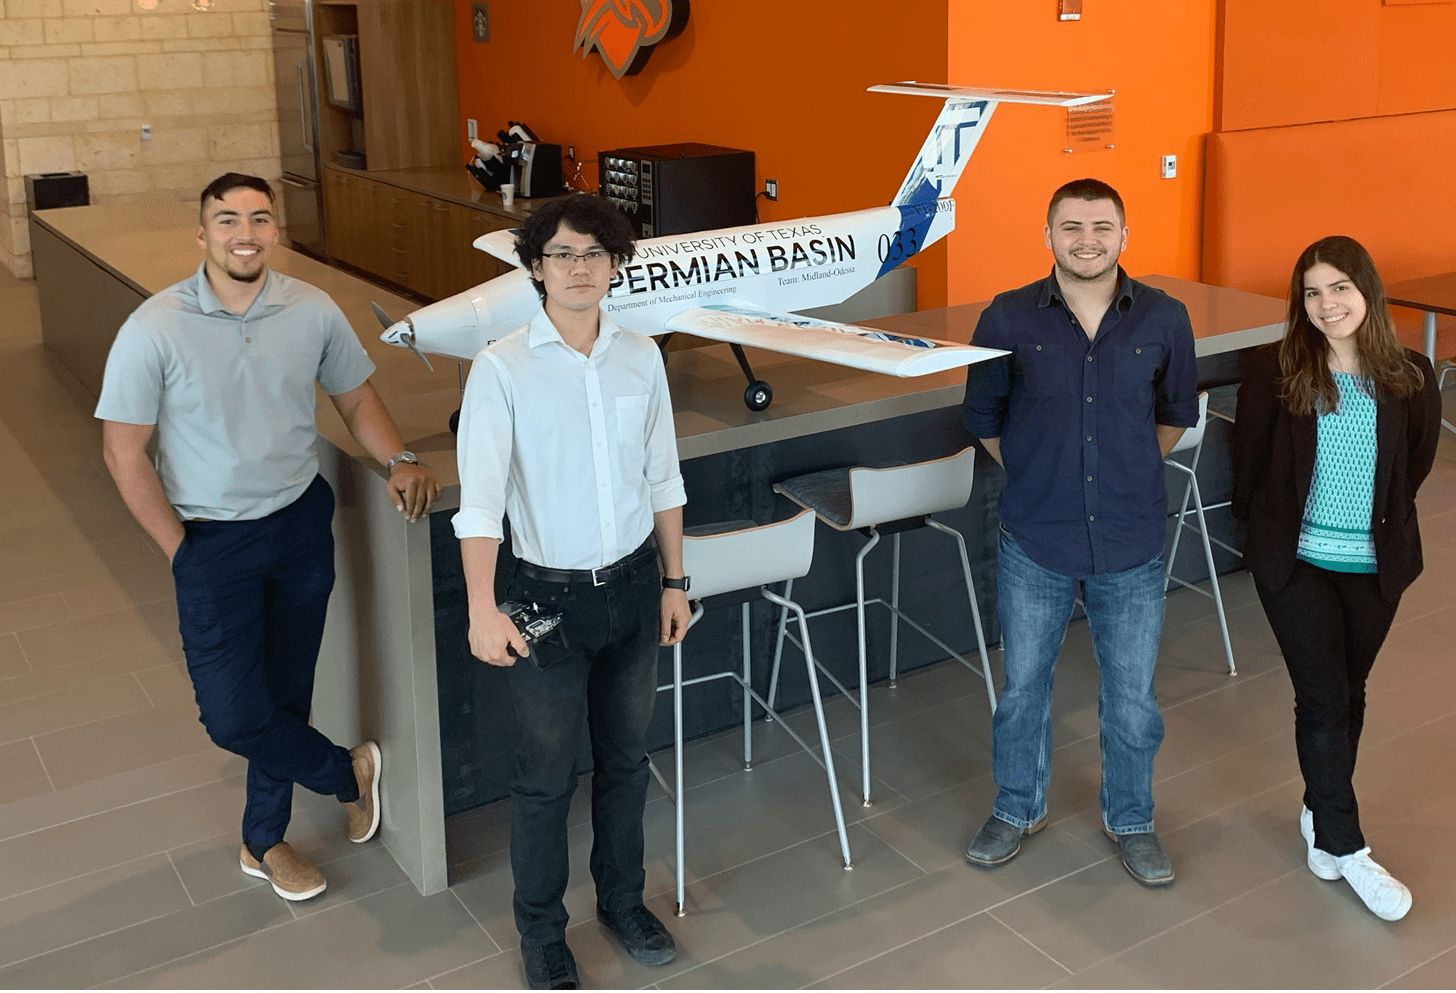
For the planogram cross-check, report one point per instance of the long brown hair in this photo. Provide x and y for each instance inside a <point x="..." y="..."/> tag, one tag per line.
<point x="1307" y="386"/>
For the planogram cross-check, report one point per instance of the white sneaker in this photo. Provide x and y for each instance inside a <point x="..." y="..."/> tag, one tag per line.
<point x="1320" y="862"/>
<point x="1386" y="896"/>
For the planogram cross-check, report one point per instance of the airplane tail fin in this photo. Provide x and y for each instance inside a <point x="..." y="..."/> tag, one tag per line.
<point x="956" y="131"/>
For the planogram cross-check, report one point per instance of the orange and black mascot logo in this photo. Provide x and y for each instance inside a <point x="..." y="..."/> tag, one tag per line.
<point x="624" y="31"/>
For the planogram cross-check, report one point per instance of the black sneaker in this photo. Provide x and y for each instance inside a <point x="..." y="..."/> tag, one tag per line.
<point x="641" y="933"/>
<point x="550" y="966"/>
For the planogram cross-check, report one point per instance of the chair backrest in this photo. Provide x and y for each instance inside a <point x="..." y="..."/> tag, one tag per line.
<point x="882" y="495"/>
<point x="749" y="557"/>
<point x="1193" y="437"/>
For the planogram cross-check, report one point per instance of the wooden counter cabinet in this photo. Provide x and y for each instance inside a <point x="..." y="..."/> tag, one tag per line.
<point x="420" y="242"/>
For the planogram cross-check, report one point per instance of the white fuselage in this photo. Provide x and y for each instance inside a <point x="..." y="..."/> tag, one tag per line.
<point x="780" y="266"/>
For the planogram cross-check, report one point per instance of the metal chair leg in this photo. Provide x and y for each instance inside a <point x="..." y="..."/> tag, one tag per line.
<point x="773" y="680"/>
<point x="747" y="700"/>
<point x="1177" y="534"/>
<point x="1228" y="648"/>
<point x="813" y="674"/>
<point x="975" y="607"/>
<point x="679" y="800"/>
<point x="864" y="676"/>
<point x="895" y="616"/>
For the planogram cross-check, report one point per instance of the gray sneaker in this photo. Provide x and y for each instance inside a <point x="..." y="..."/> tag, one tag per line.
<point x="998" y="842"/>
<point x="1143" y="857"/>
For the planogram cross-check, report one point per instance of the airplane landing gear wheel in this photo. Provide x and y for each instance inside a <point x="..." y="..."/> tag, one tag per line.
<point x="455" y="422"/>
<point x="758" y="395"/>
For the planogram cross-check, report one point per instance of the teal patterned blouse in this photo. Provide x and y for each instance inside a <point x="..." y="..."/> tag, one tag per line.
<point x="1335" y="532"/>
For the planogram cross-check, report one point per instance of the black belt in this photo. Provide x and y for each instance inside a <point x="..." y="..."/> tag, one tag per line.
<point x="645" y="554"/>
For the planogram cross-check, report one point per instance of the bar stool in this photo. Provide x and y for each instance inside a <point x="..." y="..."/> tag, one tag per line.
<point x="733" y="557"/>
<point x="892" y="500"/>
<point x="1225" y="407"/>
<point x="1192" y="441"/>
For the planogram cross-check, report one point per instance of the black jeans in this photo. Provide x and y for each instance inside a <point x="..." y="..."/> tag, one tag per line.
<point x="608" y="683"/>
<point x="251" y="601"/>
<point x="1329" y="625"/>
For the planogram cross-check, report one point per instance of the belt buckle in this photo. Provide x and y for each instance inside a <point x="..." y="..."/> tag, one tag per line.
<point x="597" y="578"/>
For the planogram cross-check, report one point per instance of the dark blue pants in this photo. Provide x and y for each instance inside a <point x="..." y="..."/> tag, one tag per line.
<point x="606" y="685"/>
<point x="251" y="599"/>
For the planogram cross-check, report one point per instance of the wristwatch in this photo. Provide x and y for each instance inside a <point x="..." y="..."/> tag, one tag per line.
<point x="668" y="583"/>
<point x="404" y="456"/>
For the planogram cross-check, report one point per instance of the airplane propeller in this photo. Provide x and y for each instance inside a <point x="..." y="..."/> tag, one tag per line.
<point x="406" y="337"/>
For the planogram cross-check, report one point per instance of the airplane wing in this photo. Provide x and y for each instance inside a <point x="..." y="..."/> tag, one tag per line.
<point x="1042" y="98"/>
<point x="827" y="341"/>
<point x="501" y="244"/>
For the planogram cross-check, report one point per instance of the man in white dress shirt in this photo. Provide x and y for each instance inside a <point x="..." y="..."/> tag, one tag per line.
<point x="567" y="429"/>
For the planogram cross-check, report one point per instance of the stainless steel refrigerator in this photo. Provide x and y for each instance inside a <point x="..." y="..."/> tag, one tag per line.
<point x="298" y="119"/>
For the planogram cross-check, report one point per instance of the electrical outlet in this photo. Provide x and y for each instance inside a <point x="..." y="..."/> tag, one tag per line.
<point x="571" y="153"/>
<point x="1170" y="166"/>
<point x="146" y="132"/>
<point x="771" y="189"/>
<point x="472" y="130"/>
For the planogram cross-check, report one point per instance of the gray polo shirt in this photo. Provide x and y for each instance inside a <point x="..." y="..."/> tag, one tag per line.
<point x="232" y="397"/>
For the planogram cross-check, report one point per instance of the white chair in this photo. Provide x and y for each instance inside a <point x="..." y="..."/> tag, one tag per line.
<point x="895" y="499"/>
<point x="1192" y="441"/>
<point x="729" y="558"/>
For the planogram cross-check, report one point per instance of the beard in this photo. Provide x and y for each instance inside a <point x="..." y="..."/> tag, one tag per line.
<point x="1075" y="270"/>
<point x="246" y="277"/>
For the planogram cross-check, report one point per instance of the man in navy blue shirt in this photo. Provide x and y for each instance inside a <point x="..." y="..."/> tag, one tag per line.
<point x="1099" y="386"/>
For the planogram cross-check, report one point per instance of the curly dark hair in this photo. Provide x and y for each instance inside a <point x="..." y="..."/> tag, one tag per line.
<point x="582" y="213"/>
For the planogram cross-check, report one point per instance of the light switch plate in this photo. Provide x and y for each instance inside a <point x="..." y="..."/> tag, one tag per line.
<point x="1170" y="166"/>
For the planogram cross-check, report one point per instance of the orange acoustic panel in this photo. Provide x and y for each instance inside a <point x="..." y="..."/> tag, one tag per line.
<point x="1384" y="181"/>
<point x="1297" y="61"/>
<point x="1417" y="58"/>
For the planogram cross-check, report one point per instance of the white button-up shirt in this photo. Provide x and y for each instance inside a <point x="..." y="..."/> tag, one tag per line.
<point x="579" y="451"/>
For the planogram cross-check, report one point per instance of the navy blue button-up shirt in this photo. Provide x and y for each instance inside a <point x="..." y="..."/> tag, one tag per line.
<point x="1077" y="419"/>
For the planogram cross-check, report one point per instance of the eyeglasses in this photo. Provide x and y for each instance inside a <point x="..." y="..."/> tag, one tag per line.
<point x="566" y="260"/>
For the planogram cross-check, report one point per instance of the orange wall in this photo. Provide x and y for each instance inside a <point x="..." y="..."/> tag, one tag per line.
<point x="787" y="80"/>
<point x="782" y="78"/>
<point x="1159" y="59"/>
<point x="1304" y="61"/>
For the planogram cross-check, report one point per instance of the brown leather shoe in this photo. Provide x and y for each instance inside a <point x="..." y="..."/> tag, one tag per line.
<point x="363" y="814"/>
<point x="292" y="876"/>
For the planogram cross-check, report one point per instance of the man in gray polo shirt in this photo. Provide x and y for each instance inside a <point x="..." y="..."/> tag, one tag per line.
<point x="221" y="369"/>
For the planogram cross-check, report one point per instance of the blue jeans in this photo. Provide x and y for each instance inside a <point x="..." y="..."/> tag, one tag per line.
<point x="251" y="601"/>
<point x="1125" y="613"/>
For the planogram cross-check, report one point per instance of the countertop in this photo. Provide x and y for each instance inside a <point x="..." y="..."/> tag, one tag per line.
<point x="450" y="183"/>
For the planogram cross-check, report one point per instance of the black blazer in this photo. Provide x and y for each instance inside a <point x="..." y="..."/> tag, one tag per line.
<point x="1273" y="463"/>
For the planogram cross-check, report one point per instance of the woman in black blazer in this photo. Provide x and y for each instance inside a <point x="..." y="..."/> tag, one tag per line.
<point x="1337" y="428"/>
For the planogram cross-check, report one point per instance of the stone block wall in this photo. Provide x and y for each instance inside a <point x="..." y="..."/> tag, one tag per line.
<point x="79" y="79"/>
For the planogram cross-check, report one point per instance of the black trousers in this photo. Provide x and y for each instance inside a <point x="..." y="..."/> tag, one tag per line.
<point x="1330" y="626"/>
<point x="607" y="684"/>
<point x="251" y="601"/>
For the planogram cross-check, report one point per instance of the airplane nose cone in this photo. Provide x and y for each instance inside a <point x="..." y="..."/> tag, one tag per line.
<point x="397" y="334"/>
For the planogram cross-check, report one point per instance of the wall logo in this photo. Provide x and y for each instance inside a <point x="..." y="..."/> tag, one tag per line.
<point x="624" y="31"/>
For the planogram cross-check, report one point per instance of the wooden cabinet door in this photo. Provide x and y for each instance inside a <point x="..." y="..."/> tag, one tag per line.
<point x="481" y="266"/>
<point x="343" y="208"/>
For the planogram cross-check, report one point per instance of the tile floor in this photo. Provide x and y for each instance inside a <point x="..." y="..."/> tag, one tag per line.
<point x="118" y="818"/>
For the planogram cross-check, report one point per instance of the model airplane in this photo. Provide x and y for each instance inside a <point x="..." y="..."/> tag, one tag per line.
<point x="742" y="285"/>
